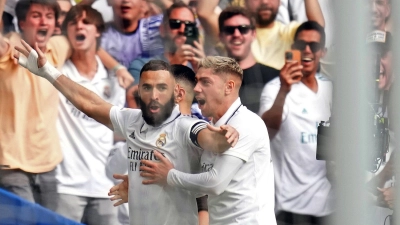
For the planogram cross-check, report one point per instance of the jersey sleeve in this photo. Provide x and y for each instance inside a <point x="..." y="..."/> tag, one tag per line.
<point x="247" y="143"/>
<point x="121" y="118"/>
<point x="189" y="127"/>
<point x="212" y="182"/>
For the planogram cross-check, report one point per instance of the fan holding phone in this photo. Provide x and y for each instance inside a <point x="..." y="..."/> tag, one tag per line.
<point x="184" y="45"/>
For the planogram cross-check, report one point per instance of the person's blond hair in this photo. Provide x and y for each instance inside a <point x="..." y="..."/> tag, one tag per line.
<point x="221" y="65"/>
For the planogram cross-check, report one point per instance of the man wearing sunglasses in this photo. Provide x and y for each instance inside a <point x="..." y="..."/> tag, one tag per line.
<point x="272" y="37"/>
<point x="237" y="32"/>
<point x="177" y="21"/>
<point x="292" y="107"/>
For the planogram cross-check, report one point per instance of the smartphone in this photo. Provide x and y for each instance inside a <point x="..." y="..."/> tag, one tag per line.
<point x="293" y="55"/>
<point x="192" y="34"/>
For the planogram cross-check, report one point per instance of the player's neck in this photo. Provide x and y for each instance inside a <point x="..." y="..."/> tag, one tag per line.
<point x="311" y="82"/>
<point x="85" y="62"/>
<point x="185" y="109"/>
<point x="126" y="26"/>
<point x="223" y="107"/>
<point x="247" y="62"/>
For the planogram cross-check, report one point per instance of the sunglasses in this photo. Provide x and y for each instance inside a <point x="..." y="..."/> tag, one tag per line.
<point x="301" y="45"/>
<point x="243" y="29"/>
<point x="176" y="24"/>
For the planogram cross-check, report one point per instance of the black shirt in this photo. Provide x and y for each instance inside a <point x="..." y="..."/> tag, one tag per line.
<point x="254" y="80"/>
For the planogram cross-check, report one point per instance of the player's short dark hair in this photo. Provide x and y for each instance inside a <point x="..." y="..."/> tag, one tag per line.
<point x="155" y="65"/>
<point x="92" y="17"/>
<point x="312" y="25"/>
<point x="232" y="11"/>
<point x="184" y="73"/>
<point x="23" y="6"/>
<point x="176" y="5"/>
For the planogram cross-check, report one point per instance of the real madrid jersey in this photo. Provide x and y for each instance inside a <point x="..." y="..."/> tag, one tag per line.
<point x="301" y="185"/>
<point x="86" y="143"/>
<point x="155" y="204"/>
<point x="249" y="196"/>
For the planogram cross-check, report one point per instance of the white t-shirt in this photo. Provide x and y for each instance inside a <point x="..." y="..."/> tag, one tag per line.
<point x="116" y="164"/>
<point x="249" y="197"/>
<point x="155" y="204"/>
<point x="301" y="185"/>
<point x="86" y="143"/>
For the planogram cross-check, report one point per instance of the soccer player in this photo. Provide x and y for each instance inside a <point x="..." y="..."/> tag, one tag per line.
<point x="157" y="125"/>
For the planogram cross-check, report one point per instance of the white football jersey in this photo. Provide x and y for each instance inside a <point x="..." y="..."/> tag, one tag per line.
<point x="301" y="185"/>
<point x="249" y="197"/>
<point x="86" y="143"/>
<point x="155" y="204"/>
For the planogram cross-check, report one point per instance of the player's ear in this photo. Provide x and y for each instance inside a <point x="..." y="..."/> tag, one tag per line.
<point x="181" y="95"/>
<point x="229" y="86"/>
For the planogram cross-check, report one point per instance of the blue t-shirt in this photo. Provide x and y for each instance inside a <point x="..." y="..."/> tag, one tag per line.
<point x="145" y="41"/>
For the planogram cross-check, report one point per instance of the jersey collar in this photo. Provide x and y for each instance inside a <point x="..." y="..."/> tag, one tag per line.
<point x="229" y="113"/>
<point x="174" y="115"/>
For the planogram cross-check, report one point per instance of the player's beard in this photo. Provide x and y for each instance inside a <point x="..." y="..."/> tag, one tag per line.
<point x="261" y="21"/>
<point x="157" y="119"/>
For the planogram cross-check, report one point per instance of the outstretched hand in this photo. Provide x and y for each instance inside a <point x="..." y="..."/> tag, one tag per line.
<point x="35" y="61"/>
<point x="230" y="133"/>
<point x="120" y="191"/>
<point x="156" y="172"/>
<point x="32" y="59"/>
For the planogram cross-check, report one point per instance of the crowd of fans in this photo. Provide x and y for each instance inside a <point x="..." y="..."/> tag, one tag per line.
<point x="54" y="155"/>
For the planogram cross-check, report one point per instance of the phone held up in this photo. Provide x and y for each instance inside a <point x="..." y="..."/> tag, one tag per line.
<point x="192" y="34"/>
<point x="293" y="55"/>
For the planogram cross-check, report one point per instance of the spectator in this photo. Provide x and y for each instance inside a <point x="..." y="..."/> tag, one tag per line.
<point x="237" y="32"/>
<point x="129" y="35"/>
<point x="9" y="16"/>
<point x="272" y="37"/>
<point x="292" y="107"/>
<point x="82" y="184"/>
<point x="65" y="6"/>
<point x="172" y="30"/>
<point x="29" y="142"/>
<point x="380" y="12"/>
<point x="176" y="51"/>
<point x="116" y="164"/>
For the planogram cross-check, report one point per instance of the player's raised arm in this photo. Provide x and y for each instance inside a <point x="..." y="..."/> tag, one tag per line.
<point x="83" y="99"/>
<point x="215" y="139"/>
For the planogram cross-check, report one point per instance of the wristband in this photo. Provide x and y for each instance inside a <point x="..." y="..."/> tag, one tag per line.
<point x="118" y="67"/>
<point x="49" y="72"/>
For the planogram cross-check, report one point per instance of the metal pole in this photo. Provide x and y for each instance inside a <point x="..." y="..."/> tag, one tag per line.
<point x="395" y="101"/>
<point x="352" y="123"/>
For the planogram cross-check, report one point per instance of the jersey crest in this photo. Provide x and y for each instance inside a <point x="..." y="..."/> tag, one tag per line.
<point x="161" y="141"/>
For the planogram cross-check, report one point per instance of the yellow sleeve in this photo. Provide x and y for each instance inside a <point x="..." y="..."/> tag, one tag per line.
<point x="6" y="60"/>
<point x="60" y="49"/>
<point x="290" y="30"/>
